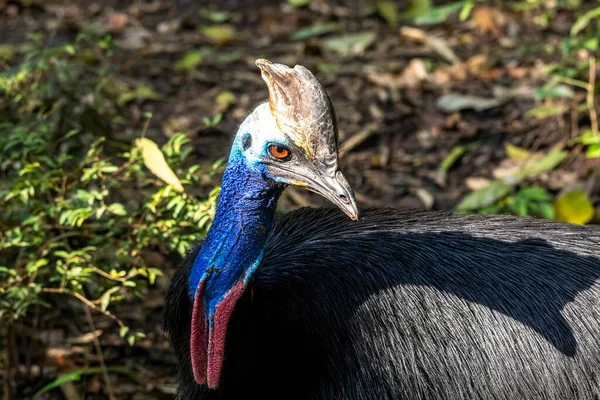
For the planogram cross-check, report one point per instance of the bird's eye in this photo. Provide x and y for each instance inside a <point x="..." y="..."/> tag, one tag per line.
<point x="279" y="151"/>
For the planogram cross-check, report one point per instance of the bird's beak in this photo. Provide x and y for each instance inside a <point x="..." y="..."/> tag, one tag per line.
<point x="335" y="188"/>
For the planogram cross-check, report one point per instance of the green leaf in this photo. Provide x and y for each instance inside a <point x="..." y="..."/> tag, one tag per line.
<point x="225" y="99"/>
<point x="105" y="298"/>
<point x="76" y="375"/>
<point x="466" y="10"/>
<point x="534" y="193"/>
<point x="109" y="169"/>
<point x="104" y="301"/>
<point x="516" y="153"/>
<point x="518" y="206"/>
<point x="584" y="20"/>
<point x="123" y="331"/>
<point x="117" y="209"/>
<point x="351" y="44"/>
<point x="155" y="161"/>
<point x="493" y="209"/>
<point x="189" y="61"/>
<point x="6" y="53"/>
<point x="593" y="151"/>
<point x="547" y="163"/>
<point x="298" y="3"/>
<point x="437" y="14"/>
<point x="219" y="34"/>
<point x="553" y="91"/>
<point x="544" y="210"/>
<point x="451" y="158"/>
<point x="216" y="16"/>
<point x="484" y="197"/>
<point x="574" y="207"/>
<point x="546" y="111"/>
<point x="418" y="8"/>
<point x="315" y="30"/>
<point x="228" y="57"/>
<point x="34" y="266"/>
<point x="389" y="11"/>
<point x="589" y="137"/>
<point x="140" y="93"/>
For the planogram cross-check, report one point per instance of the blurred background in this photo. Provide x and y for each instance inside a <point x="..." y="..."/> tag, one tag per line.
<point x="116" y="119"/>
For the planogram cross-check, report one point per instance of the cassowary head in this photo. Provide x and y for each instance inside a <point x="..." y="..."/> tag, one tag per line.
<point x="295" y="135"/>
<point x="291" y="140"/>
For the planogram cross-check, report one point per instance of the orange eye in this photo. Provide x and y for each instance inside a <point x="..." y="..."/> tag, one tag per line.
<point x="279" y="152"/>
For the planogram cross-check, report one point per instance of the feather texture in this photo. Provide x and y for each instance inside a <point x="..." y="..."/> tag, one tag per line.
<point x="409" y="305"/>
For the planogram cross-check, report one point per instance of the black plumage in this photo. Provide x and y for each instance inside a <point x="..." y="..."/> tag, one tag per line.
<point x="409" y="305"/>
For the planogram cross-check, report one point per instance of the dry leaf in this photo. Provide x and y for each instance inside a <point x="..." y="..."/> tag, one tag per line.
<point x="436" y="44"/>
<point x="452" y="102"/>
<point x="135" y="38"/>
<point x="416" y="34"/>
<point x="476" y="183"/>
<point x="414" y="73"/>
<point x="64" y="11"/>
<point x="117" y="21"/>
<point x="489" y="20"/>
<point x="517" y="72"/>
<point x="521" y="166"/>
<point x="155" y="161"/>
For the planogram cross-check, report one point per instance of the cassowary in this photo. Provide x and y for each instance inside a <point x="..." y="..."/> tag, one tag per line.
<point x="389" y="305"/>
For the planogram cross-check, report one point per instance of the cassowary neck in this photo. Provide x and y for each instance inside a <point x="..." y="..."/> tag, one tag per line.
<point x="231" y="252"/>
<point x="243" y="220"/>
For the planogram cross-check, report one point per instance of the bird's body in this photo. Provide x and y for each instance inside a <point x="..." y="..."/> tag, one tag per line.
<point x="411" y="305"/>
<point x="392" y="305"/>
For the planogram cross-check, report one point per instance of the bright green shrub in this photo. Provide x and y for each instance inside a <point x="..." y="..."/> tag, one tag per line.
<point x="78" y="206"/>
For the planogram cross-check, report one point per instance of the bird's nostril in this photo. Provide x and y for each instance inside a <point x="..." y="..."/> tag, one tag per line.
<point x="344" y="198"/>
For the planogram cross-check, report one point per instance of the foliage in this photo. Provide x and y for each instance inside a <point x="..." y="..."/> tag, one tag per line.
<point x="509" y="194"/>
<point x="534" y="201"/>
<point x="76" y="375"/>
<point x="576" y="70"/>
<point x="79" y="208"/>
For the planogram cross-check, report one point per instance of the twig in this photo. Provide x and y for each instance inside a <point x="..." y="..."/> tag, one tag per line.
<point x="87" y="302"/>
<point x="109" y="388"/>
<point x="572" y="82"/>
<point x="358" y="138"/>
<point x="7" y="375"/>
<point x="93" y="306"/>
<point x="108" y="276"/>
<point x="145" y="128"/>
<point x="590" y="88"/>
<point x="56" y="238"/>
<point x="590" y="96"/>
<point x="69" y="391"/>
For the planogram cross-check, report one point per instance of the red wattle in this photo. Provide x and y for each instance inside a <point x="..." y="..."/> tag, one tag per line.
<point x="218" y="332"/>
<point x="199" y="337"/>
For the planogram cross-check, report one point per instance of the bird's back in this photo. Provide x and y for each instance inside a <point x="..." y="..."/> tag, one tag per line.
<point x="411" y="305"/>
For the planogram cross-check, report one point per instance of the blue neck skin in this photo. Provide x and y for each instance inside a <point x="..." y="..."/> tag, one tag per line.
<point x="234" y="244"/>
